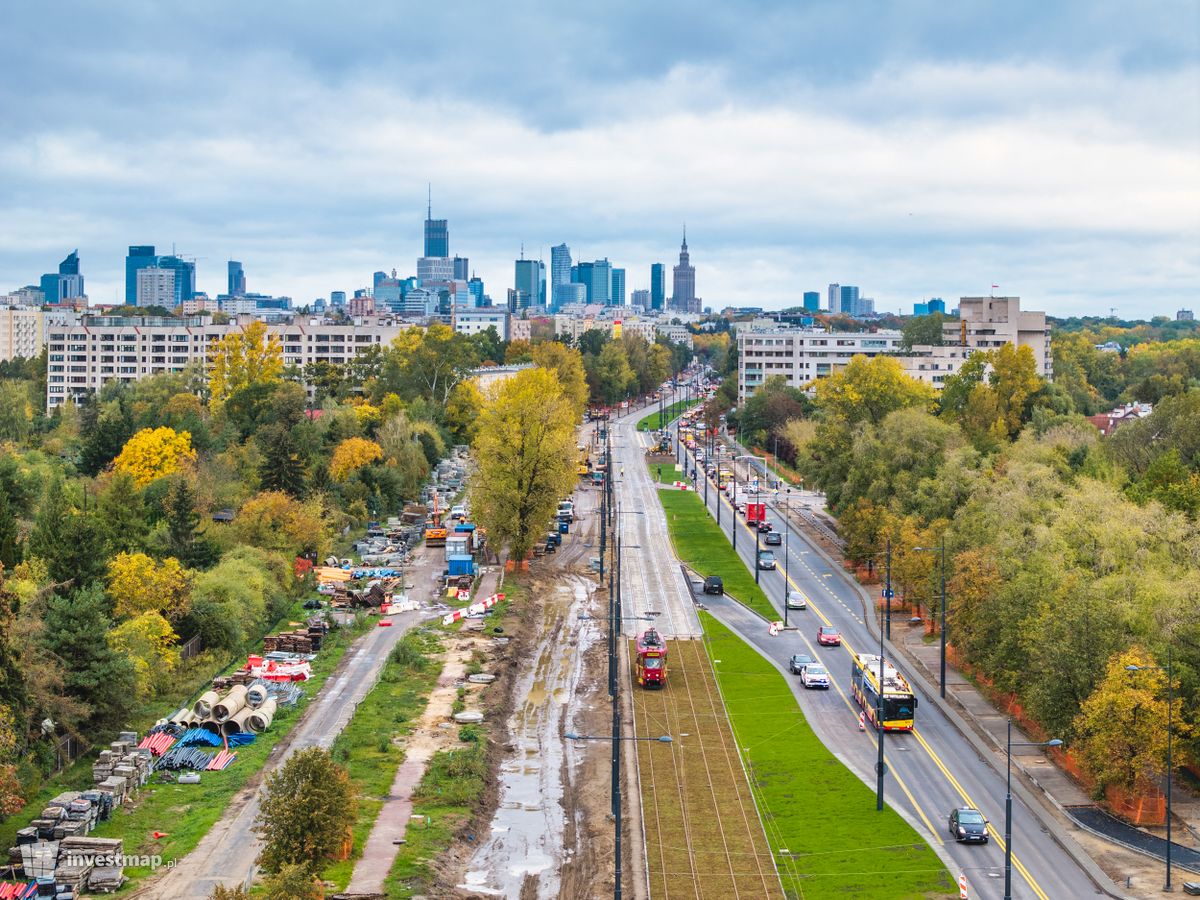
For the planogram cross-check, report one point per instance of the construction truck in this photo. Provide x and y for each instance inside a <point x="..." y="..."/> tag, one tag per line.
<point x="435" y="531"/>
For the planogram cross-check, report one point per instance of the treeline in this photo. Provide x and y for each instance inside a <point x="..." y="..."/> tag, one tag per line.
<point x="111" y="554"/>
<point x="1069" y="557"/>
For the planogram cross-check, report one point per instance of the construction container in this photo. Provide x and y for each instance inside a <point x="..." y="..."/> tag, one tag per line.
<point x="458" y="545"/>
<point x="460" y="564"/>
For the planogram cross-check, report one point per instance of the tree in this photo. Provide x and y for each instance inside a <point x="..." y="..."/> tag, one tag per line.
<point x="185" y="541"/>
<point x="426" y="363"/>
<point x="869" y="388"/>
<point x="1015" y="380"/>
<point x="139" y="584"/>
<point x="16" y="411"/>
<point x="221" y="892"/>
<point x="352" y="454"/>
<point x="122" y="512"/>
<point x="243" y="358"/>
<point x="1122" y="726"/>
<point x="49" y="532"/>
<point x="10" y="550"/>
<point x="154" y="452"/>
<point x="282" y="468"/>
<point x="292" y="882"/>
<point x="1166" y="480"/>
<point x="149" y="643"/>
<point x="568" y="366"/>
<point x="923" y="330"/>
<point x="307" y="810"/>
<point x="488" y="346"/>
<point x="98" y="676"/>
<point x="517" y="351"/>
<point x="402" y="450"/>
<point x="275" y="521"/>
<point x="525" y="450"/>
<point x="609" y="374"/>
<point x="462" y="411"/>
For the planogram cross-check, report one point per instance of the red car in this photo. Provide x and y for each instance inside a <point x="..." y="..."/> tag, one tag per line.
<point x="764" y="526"/>
<point x="828" y="636"/>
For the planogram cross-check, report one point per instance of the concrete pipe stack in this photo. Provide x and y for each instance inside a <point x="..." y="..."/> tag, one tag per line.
<point x="231" y="705"/>
<point x="237" y="722"/>
<point x="203" y="707"/>
<point x="259" y="720"/>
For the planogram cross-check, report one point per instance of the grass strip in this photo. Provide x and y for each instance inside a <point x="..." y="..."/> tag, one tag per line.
<point x="705" y="547"/>
<point x="366" y="747"/>
<point x="814" y="807"/>
<point x="678" y="408"/>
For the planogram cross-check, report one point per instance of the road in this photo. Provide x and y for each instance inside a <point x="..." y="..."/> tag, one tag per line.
<point x="226" y="854"/>
<point x="651" y="581"/>
<point x="930" y="771"/>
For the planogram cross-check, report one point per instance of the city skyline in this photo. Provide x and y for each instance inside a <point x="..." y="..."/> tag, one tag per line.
<point x="1048" y="151"/>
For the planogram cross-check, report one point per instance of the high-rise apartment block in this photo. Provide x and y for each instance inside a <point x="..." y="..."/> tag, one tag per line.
<point x="1185" y="315"/>
<point x="156" y="287"/>
<point x="684" y="296"/>
<point x="658" y="286"/>
<point x="66" y="284"/>
<point x="237" y="279"/>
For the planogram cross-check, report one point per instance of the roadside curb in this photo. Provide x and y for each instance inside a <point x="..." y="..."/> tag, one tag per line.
<point x="1101" y="880"/>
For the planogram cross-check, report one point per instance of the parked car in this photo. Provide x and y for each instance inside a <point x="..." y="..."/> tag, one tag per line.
<point x="798" y="662"/>
<point x="796" y="600"/>
<point x="766" y="559"/>
<point x="815" y="676"/>
<point x="828" y="636"/>
<point x="968" y="826"/>
<point x="773" y="539"/>
<point x="714" y="585"/>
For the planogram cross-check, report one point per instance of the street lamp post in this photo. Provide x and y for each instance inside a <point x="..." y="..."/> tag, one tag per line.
<point x="1170" y="723"/>
<point x="787" y="534"/>
<point x="942" y="552"/>
<point x="1054" y="742"/>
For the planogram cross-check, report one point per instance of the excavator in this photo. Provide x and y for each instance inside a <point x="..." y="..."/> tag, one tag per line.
<point x="435" y="531"/>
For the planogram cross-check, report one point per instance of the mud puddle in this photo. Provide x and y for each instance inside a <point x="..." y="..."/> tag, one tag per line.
<point x="525" y="852"/>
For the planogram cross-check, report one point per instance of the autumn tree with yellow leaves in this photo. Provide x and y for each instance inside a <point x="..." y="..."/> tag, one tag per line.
<point x="138" y="583"/>
<point x="154" y="452"/>
<point x="149" y="643"/>
<point x="352" y="454"/>
<point x="241" y="359"/>
<point x="525" y="450"/>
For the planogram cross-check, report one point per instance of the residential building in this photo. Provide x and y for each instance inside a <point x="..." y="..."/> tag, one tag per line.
<point x="985" y="323"/>
<point x="812" y="301"/>
<point x="237" y="279"/>
<point x="202" y="303"/>
<point x="520" y="329"/>
<point x="803" y="355"/>
<point x="66" y="284"/>
<point x="560" y="274"/>
<point x="462" y="268"/>
<point x="22" y="331"/>
<point x="91" y="350"/>
<point x="618" y="287"/>
<point x="1185" y="315"/>
<point x="677" y="334"/>
<point x="658" y="286"/>
<point x="683" y="295"/>
<point x="361" y="305"/>
<point x="144" y="257"/>
<point x="1110" y="421"/>
<point x="640" y="299"/>
<point x="471" y="320"/>
<point x="156" y="287"/>
<point x="30" y="295"/>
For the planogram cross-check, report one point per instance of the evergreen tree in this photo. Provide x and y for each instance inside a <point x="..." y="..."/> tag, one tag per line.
<point x="282" y="468"/>
<point x="49" y="527"/>
<point x="123" y="513"/>
<point x="184" y="540"/>
<point x="10" y="550"/>
<point x="104" y="436"/>
<point x="76" y="627"/>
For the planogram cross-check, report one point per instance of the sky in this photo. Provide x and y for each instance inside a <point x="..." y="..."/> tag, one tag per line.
<point x="916" y="149"/>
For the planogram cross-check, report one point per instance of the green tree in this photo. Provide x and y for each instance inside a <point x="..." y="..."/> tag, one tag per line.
<point x="426" y="363"/>
<point x="185" y="540"/>
<point x="282" y="468"/>
<point x="95" y="674"/>
<point x="568" y="366"/>
<point x="292" y="882"/>
<point x="49" y="532"/>
<point x="609" y="374"/>
<point x="307" y="810"/>
<point x="122" y="513"/>
<point x="106" y="428"/>
<point x="869" y="388"/>
<point x="525" y="450"/>
<point x="923" y="331"/>
<point x="10" y="549"/>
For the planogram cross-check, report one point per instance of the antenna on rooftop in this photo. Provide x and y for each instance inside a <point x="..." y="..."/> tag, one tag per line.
<point x="429" y="208"/>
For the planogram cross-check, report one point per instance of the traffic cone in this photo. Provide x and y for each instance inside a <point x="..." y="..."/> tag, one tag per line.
<point x="862" y="721"/>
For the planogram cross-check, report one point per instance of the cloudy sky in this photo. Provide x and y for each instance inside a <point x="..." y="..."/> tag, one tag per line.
<point x="913" y="148"/>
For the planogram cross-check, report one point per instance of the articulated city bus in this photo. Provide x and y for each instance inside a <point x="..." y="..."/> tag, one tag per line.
<point x="899" y="703"/>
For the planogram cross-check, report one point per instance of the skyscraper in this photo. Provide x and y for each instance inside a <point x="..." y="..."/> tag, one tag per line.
<point x="618" y="287"/>
<point x="937" y="304"/>
<point x="600" y="289"/>
<point x="684" y="286"/>
<point x="658" y="286"/>
<point x="833" y="298"/>
<point x="847" y="300"/>
<point x="66" y="284"/>
<point x="139" y="257"/>
<point x="437" y="232"/>
<point x="475" y="289"/>
<point x="144" y="257"/>
<point x="640" y="298"/>
<point x="237" y="279"/>
<point x="560" y="273"/>
<point x="812" y="301"/>
<point x="462" y="268"/>
<point x="530" y="281"/>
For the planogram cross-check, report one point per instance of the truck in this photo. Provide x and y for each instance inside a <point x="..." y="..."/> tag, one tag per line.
<point x="435" y="531"/>
<point x="650" y="663"/>
<point x="566" y="510"/>
<point x="756" y="513"/>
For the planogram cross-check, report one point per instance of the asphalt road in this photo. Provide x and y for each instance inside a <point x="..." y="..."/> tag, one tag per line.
<point x="930" y="771"/>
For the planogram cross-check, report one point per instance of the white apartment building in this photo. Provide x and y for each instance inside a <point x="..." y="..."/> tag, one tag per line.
<point x="83" y="355"/>
<point x="984" y="323"/>
<point x="477" y="319"/>
<point x="21" y="332"/>
<point x="156" y="287"/>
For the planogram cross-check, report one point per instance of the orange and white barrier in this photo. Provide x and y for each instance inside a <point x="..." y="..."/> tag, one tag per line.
<point x="962" y="886"/>
<point x="475" y="609"/>
<point x="774" y="628"/>
<point x="682" y="485"/>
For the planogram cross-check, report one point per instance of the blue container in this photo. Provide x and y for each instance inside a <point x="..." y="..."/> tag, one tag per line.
<point x="460" y="564"/>
<point x="563" y="527"/>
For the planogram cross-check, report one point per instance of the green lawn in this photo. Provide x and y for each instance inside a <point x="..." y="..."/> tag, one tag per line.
<point x="678" y="408"/>
<point x="184" y="812"/>
<point x="812" y="805"/>
<point x="365" y="747"/>
<point x="701" y="544"/>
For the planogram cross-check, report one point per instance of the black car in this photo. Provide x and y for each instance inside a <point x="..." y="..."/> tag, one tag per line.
<point x="714" y="585"/>
<point x="773" y="539"/>
<point x="798" y="662"/>
<point x="968" y="825"/>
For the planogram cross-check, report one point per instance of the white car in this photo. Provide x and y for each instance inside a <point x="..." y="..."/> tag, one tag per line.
<point x="815" y="676"/>
<point x="796" y="600"/>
